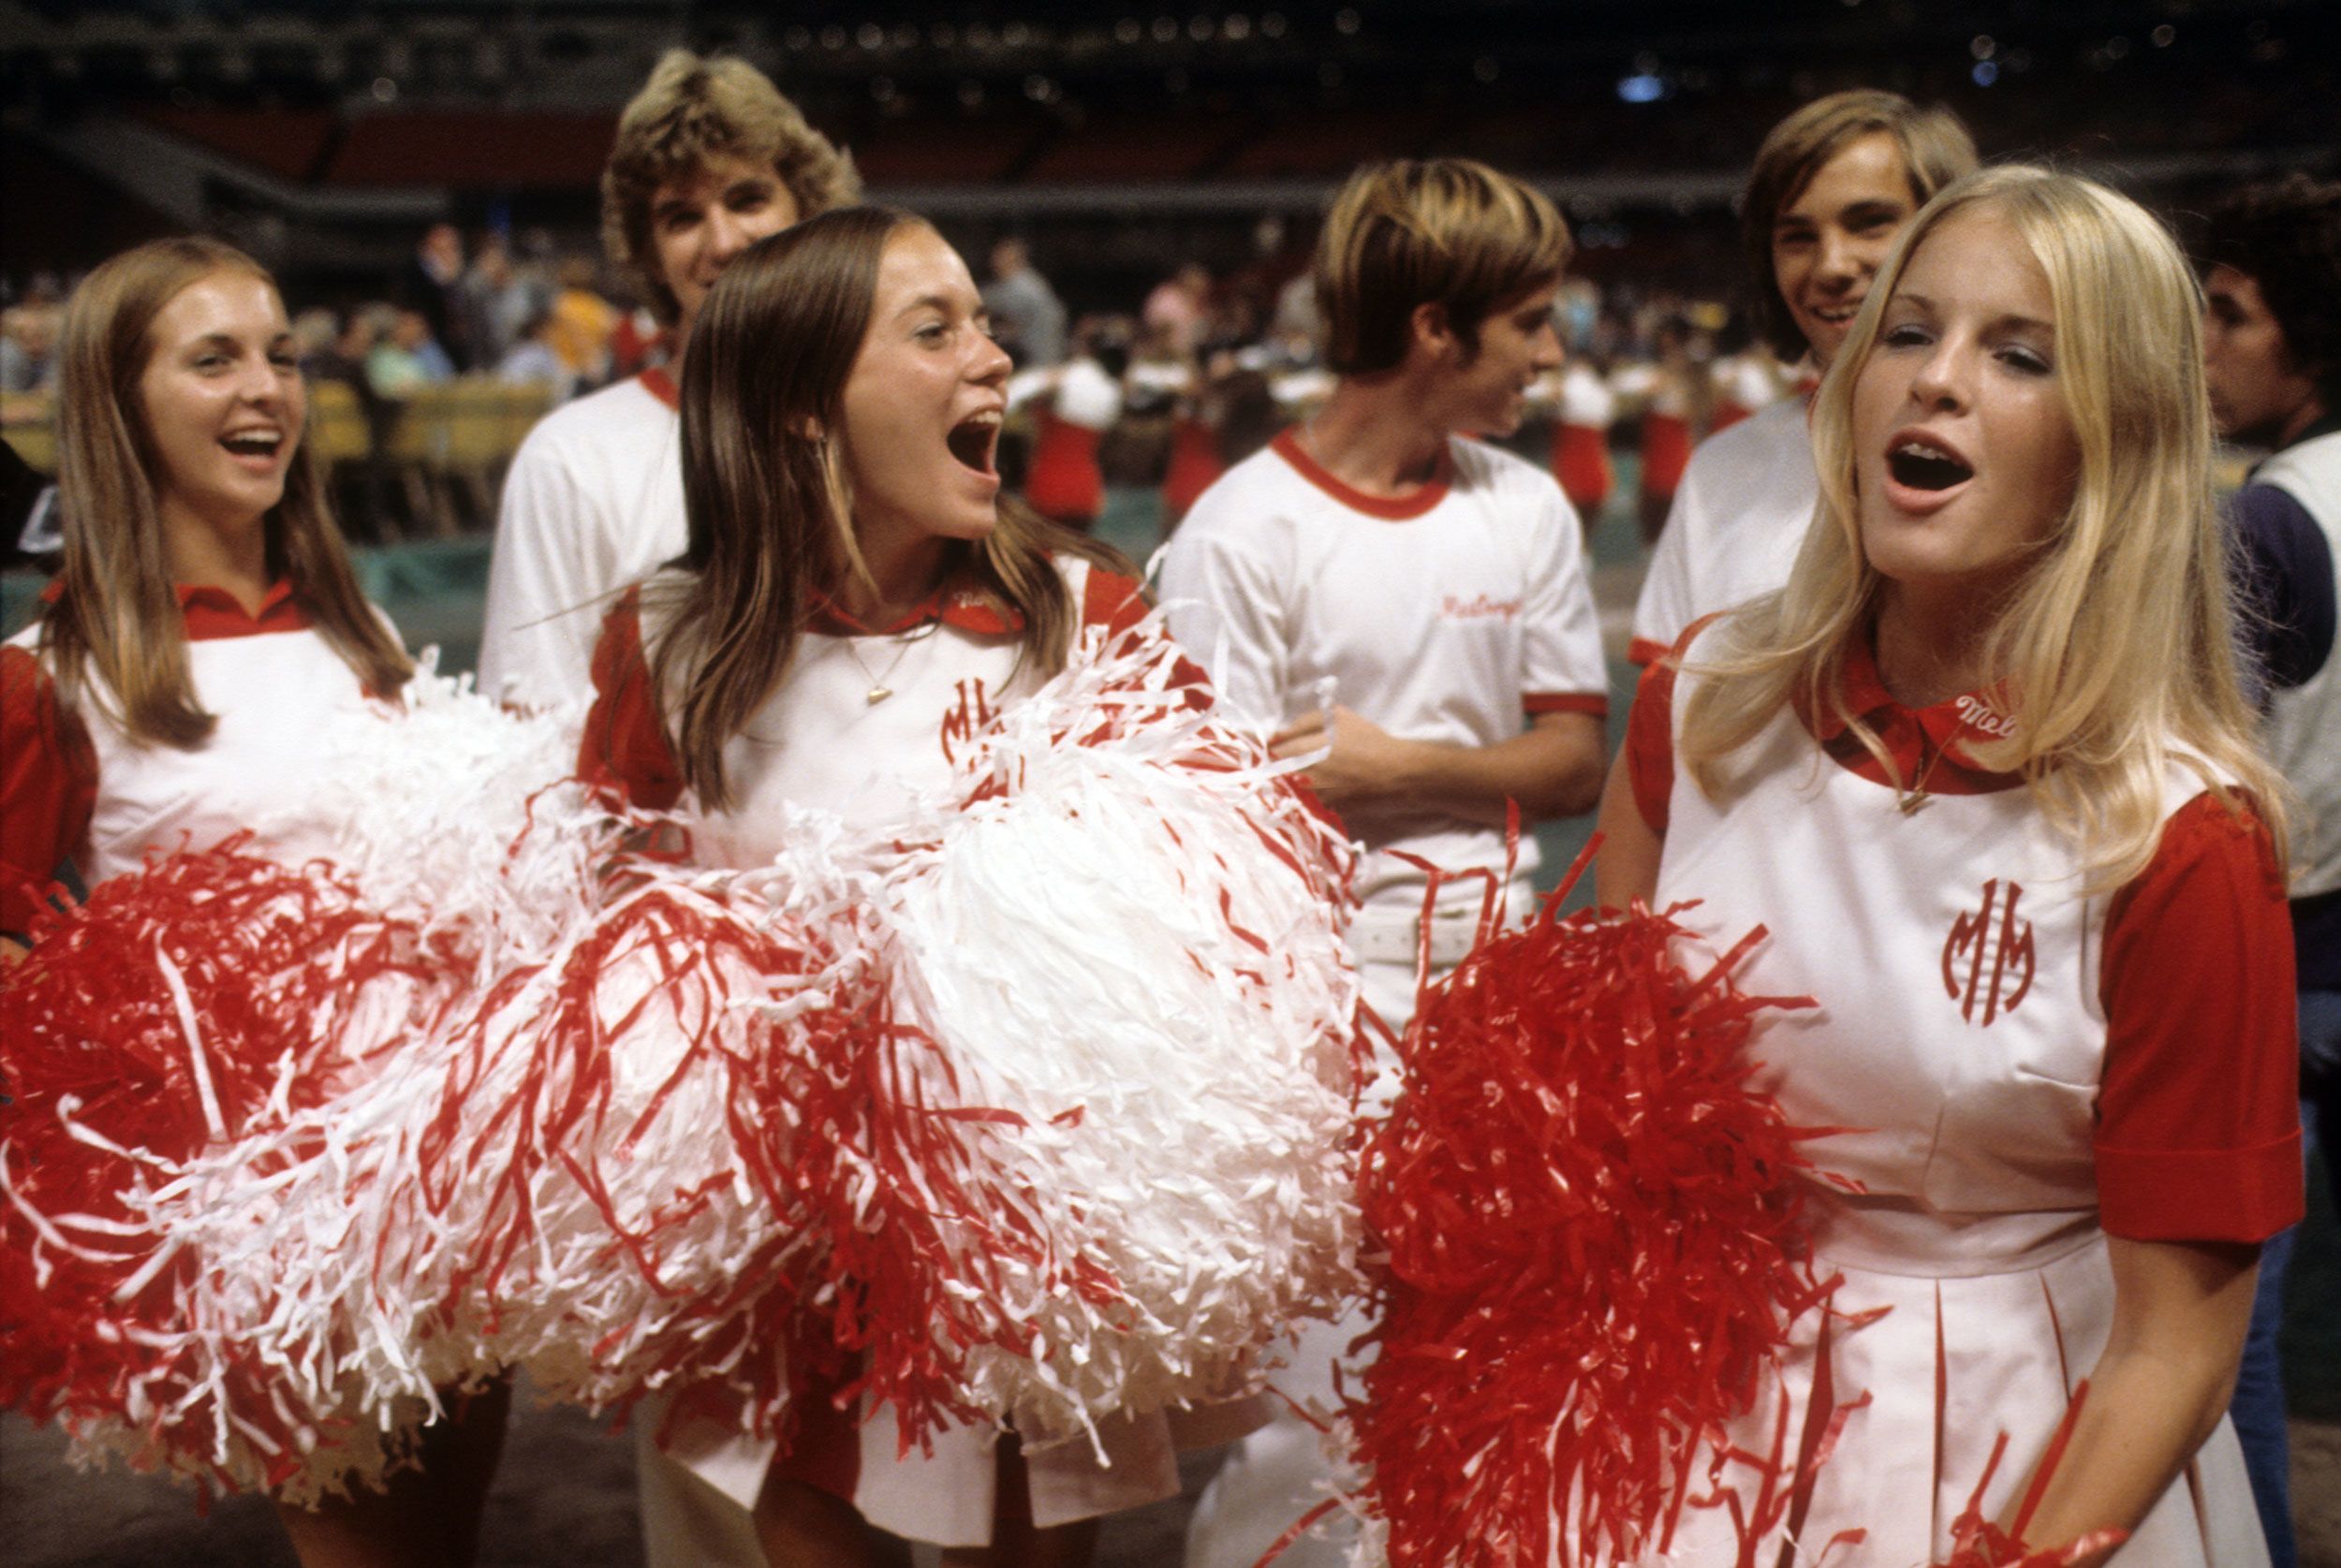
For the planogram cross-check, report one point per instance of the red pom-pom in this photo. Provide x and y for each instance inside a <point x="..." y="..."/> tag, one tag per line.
<point x="185" y="1005"/>
<point x="1593" y="1236"/>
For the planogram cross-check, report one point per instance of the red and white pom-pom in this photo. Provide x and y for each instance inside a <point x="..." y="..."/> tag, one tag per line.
<point x="457" y="815"/>
<point x="1595" y="1239"/>
<point x="1124" y="925"/>
<point x="159" y="1039"/>
<point x="267" y="1336"/>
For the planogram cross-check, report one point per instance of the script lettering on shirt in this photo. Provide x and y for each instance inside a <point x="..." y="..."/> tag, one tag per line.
<point x="1479" y="606"/>
<point x="1997" y="962"/>
<point x="1976" y="714"/>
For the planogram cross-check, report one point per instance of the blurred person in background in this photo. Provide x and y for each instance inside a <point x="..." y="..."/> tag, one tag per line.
<point x="1074" y="404"/>
<point x="1831" y="187"/>
<point x="2272" y="348"/>
<point x="405" y="358"/>
<point x="1585" y="408"/>
<point x="315" y="332"/>
<point x="708" y="158"/>
<point x="1674" y="398"/>
<point x="431" y="282"/>
<point x="1027" y="317"/>
<point x="28" y="349"/>
<point x="1435" y="586"/>
<point x="498" y="304"/>
<point x="584" y="322"/>
<point x="1180" y="306"/>
<point x="534" y="361"/>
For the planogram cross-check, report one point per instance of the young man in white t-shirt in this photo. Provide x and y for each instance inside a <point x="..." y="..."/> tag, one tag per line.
<point x="1377" y="586"/>
<point x="708" y="159"/>
<point x="1831" y="187"/>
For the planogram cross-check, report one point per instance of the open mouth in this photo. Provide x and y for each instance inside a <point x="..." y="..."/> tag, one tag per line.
<point x="1920" y="466"/>
<point x="254" y="443"/>
<point x="975" y="440"/>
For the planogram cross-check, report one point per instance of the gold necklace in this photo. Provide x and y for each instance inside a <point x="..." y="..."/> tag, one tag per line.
<point x="1910" y="801"/>
<point x="879" y="691"/>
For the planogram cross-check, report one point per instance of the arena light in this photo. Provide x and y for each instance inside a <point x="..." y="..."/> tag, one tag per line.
<point x="1985" y="73"/>
<point x="1641" y="88"/>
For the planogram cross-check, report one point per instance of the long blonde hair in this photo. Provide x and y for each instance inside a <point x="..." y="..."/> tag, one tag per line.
<point x="764" y="489"/>
<point x="117" y="615"/>
<point x="2116" y="647"/>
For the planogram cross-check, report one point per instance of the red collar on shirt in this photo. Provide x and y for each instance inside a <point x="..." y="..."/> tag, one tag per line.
<point x="1932" y="746"/>
<point x="658" y="384"/>
<point x="952" y="603"/>
<point x="213" y="613"/>
<point x="1391" y="509"/>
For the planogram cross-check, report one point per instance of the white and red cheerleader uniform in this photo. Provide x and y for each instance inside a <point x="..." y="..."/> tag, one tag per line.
<point x="1065" y="483"/>
<point x="1666" y="436"/>
<point x="1453" y="614"/>
<point x="2021" y="1071"/>
<point x="828" y="739"/>
<point x="1194" y="467"/>
<point x="592" y="502"/>
<point x="75" y="786"/>
<point x="1581" y="439"/>
<point x="1738" y="518"/>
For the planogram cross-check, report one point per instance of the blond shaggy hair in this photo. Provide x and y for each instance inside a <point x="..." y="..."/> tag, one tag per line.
<point x="1443" y="231"/>
<point x="690" y="112"/>
<point x="2116" y="648"/>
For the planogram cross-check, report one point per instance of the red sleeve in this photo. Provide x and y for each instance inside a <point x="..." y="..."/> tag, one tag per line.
<point x="625" y="750"/>
<point x="1650" y="729"/>
<point x="1118" y="603"/>
<point x="48" y="787"/>
<point x="2198" y="1136"/>
<point x="1112" y="601"/>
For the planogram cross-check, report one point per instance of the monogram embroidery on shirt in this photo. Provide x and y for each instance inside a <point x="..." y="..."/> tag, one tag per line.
<point x="960" y="723"/>
<point x="1998" y="963"/>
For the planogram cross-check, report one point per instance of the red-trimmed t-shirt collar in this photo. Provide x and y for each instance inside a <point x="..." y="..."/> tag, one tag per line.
<point x="658" y="384"/>
<point x="1933" y="747"/>
<point x="1392" y="509"/>
<point x="211" y="612"/>
<point x="953" y="603"/>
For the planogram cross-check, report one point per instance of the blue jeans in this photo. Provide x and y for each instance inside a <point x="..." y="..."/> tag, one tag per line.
<point x="2258" y="1408"/>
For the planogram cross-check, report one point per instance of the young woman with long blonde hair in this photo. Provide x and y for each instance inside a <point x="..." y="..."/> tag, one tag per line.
<point x="1985" y="771"/>
<point x="206" y="625"/>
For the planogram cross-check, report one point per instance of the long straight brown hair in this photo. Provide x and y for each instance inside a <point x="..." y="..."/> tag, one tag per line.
<point x="116" y="616"/>
<point x="764" y="486"/>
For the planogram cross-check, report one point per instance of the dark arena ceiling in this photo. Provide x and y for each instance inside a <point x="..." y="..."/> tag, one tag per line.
<point x="320" y="118"/>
